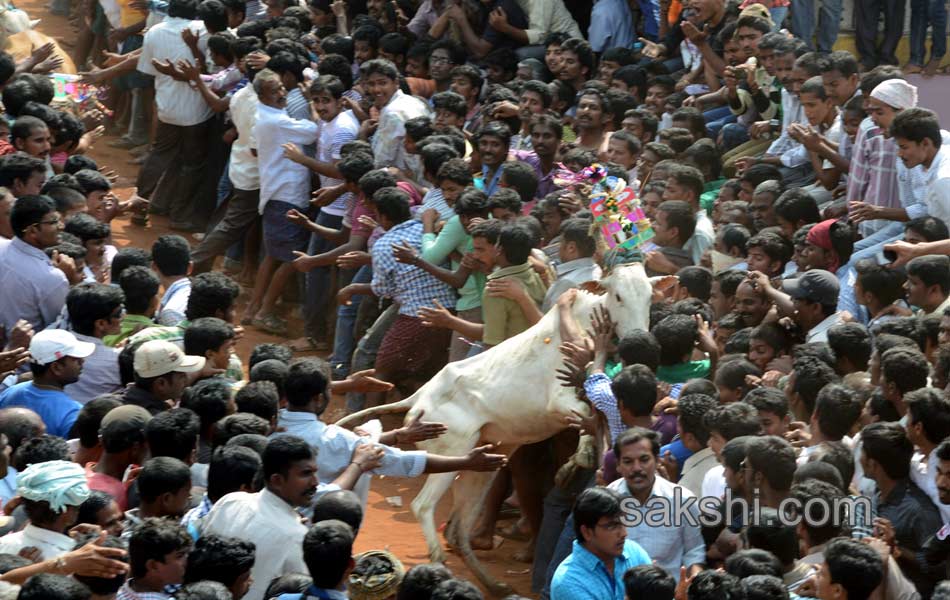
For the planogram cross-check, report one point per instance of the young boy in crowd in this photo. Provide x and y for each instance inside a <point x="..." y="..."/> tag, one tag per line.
<point x="140" y="286"/>
<point x="158" y="553"/>
<point x="94" y="236"/>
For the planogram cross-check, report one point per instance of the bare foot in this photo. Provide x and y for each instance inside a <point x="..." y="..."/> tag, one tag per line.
<point x="525" y="555"/>
<point x="483" y="542"/>
<point x="912" y="69"/>
<point x="931" y="69"/>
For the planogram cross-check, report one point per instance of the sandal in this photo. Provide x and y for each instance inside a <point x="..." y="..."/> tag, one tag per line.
<point x="308" y="344"/>
<point x="271" y="324"/>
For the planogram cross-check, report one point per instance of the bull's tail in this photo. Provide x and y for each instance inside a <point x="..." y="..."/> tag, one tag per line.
<point x="385" y="409"/>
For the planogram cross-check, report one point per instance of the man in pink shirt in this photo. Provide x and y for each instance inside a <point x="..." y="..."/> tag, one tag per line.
<point x="123" y="445"/>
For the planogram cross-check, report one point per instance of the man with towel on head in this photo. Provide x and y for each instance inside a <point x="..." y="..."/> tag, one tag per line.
<point x="52" y="492"/>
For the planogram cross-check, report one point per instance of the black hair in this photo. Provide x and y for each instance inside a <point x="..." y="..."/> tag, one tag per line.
<point x="39" y="449"/>
<point x="19" y="167"/>
<point x="336" y="62"/>
<point x="28" y="211"/>
<point x="327" y="552"/>
<point x="231" y="468"/>
<point x="593" y="504"/>
<point x="455" y="170"/>
<point x="86" y="227"/>
<point x="269" y="351"/>
<point x="635" y="388"/>
<point x="154" y="539"/>
<point x="202" y="590"/>
<point x="172" y="255"/>
<point x="697" y="281"/>
<point x="679" y="214"/>
<point x="753" y="561"/>
<point x="173" y="433"/>
<point x="692" y="408"/>
<point x="259" y="398"/>
<point x="841" y="61"/>
<point x="47" y="586"/>
<point x="140" y="286"/>
<point x="887" y="444"/>
<point x="851" y="341"/>
<point x="771" y="533"/>
<point x="330" y="84"/>
<point x="7" y="67"/>
<point x="281" y="452"/>
<point x="854" y="566"/>
<point x="162" y="475"/>
<point x="522" y="178"/>
<point x="435" y="155"/>
<point x="917" y="125"/>
<point x="677" y="336"/>
<point x="797" y="205"/>
<point x="90" y="417"/>
<point x="92" y="181"/>
<point x="90" y="302"/>
<point x="421" y="580"/>
<point x="515" y="242"/>
<point x="577" y="230"/>
<point x="931" y="270"/>
<point x="886" y="285"/>
<point x="356" y="166"/>
<point x="206" y="334"/>
<point x="732" y="374"/>
<point x="214" y="15"/>
<point x="931" y="409"/>
<point x="272" y="370"/>
<point x="506" y="198"/>
<point x="237" y="424"/>
<point x="419" y="128"/>
<point x="811" y="493"/>
<point x="906" y="368"/>
<point x="78" y="162"/>
<point x="70" y="129"/>
<point x="211" y="292"/>
<point x="733" y="420"/>
<point x="929" y="228"/>
<point x="392" y="203"/>
<point x="838" y="409"/>
<point x="713" y="585"/>
<point x="219" y="558"/>
<point x="379" y="66"/>
<point x="648" y="582"/>
<point x="811" y="374"/>
<point x="340" y="505"/>
<point x="129" y="257"/>
<point x="209" y="399"/>
<point x="639" y="347"/>
<point x="376" y="180"/>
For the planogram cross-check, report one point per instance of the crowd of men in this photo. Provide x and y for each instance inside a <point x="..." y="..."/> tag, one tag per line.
<point x="406" y="184"/>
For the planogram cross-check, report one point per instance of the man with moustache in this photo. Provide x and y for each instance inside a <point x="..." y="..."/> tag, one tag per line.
<point x="546" y="132"/>
<point x="32" y="137"/>
<point x="269" y="518"/>
<point x="670" y="545"/>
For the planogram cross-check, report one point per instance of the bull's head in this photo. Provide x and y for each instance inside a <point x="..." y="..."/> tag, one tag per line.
<point x="628" y="294"/>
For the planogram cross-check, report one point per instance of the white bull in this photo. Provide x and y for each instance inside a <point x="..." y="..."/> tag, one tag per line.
<point x="508" y="395"/>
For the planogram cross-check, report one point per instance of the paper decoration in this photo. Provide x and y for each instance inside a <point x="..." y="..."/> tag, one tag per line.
<point x="616" y="209"/>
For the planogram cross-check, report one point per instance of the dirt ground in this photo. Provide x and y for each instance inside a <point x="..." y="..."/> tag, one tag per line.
<point x="389" y="522"/>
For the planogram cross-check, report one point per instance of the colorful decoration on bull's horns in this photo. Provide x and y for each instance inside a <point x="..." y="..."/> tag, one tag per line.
<point x="617" y="211"/>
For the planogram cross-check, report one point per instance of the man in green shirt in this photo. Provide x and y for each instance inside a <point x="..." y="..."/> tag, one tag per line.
<point x="140" y="285"/>
<point x="507" y="248"/>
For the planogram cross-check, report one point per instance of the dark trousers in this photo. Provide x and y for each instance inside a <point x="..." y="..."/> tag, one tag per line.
<point x="319" y="283"/>
<point x="867" y="14"/>
<point x="239" y="213"/>
<point x="172" y="177"/>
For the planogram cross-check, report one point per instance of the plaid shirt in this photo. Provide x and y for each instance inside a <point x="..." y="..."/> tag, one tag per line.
<point x="597" y="388"/>
<point x="192" y="519"/>
<point x="792" y="112"/>
<point x="127" y="593"/>
<point x="873" y="175"/>
<point x="409" y="286"/>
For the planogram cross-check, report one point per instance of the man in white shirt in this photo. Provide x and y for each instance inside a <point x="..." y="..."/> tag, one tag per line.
<point x="269" y="518"/>
<point x="245" y="179"/>
<point x="576" y="265"/>
<point x="52" y="492"/>
<point x="380" y="79"/>
<point x="920" y="143"/>
<point x="285" y="187"/>
<point x="927" y="426"/>
<point x="172" y="176"/>
<point x="670" y="545"/>
<point x="686" y="183"/>
<point x="307" y="400"/>
<point x="171" y="257"/>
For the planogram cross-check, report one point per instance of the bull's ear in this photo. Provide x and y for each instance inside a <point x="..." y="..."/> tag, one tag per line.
<point x="663" y="282"/>
<point x="594" y="287"/>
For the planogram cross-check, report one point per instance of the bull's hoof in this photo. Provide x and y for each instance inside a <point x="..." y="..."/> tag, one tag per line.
<point x="525" y="555"/>
<point x="500" y="590"/>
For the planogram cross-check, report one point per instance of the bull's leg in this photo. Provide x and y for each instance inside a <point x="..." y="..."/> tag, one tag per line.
<point x="469" y="493"/>
<point x="423" y="506"/>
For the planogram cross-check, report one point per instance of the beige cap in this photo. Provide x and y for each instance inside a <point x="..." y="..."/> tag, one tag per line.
<point x="158" y="357"/>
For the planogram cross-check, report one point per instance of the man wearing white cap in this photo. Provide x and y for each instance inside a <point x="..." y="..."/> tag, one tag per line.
<point x="161" y="375"/>
<point x="873" y="189"/>
<point x="56" y="360"/>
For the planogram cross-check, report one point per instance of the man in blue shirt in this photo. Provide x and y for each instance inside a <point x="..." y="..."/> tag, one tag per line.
<point x="602" y="553"/>
<point x="56" y="361"/>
